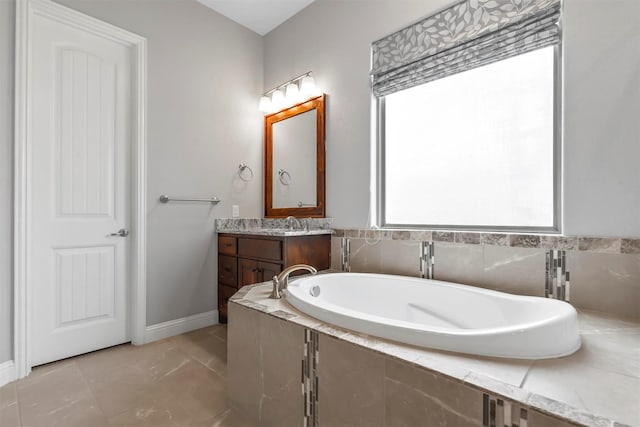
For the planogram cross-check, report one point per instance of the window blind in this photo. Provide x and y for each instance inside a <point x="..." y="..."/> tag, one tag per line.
<point x="469" y="34"/>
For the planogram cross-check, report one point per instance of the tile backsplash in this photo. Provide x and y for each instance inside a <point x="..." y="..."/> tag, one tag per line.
<point x="605" y="272"/>
<point x="590" y="244"/>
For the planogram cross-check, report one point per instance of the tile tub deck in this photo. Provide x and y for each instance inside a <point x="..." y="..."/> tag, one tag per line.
<point x="597" y="386"/>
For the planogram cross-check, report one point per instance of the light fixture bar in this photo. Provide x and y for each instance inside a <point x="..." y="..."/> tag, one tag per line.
<point x="289" y="93"/>
<point x="283" y="85"/>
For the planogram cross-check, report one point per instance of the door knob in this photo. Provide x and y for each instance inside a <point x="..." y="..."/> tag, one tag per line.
<point x="123" y="232"/>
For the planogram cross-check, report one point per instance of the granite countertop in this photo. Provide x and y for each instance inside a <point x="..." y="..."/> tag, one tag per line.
<point x="596" y="385"/>
<point x="282" y="232"/>
<point x="273" y="226"/>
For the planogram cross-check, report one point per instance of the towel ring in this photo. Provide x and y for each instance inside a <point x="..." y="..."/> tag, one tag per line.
<point x="284" y="176"/>
<point x="243" y="167"/>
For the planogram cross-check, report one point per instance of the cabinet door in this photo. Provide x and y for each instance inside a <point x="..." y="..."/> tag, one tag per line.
<point x="267" y="270"/>
<point x="224" y="293"/>
<point x="248" y="272"/>
<point x="227" y="270"/>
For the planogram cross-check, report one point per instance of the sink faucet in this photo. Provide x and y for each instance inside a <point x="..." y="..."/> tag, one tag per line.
<point x="281" y="281"/>
<point x="291" y="220"/>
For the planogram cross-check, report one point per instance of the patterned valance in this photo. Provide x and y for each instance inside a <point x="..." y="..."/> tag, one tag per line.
<point x="467" y="35"/>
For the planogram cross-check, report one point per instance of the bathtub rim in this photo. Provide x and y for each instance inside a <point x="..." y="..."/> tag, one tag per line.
<point x="368" y="321"/>
<point x="411" y="325"/>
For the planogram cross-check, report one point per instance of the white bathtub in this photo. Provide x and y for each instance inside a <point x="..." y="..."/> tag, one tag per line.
<point x="440" y="315"/>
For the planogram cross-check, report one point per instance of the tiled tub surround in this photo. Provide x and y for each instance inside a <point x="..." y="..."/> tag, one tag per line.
<point x="366" y="381"/>
<point x="272" y="226"/>
<point x="605" y="272"/>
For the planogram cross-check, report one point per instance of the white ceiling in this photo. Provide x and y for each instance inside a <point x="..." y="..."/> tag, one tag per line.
<point x="260" y="16"/>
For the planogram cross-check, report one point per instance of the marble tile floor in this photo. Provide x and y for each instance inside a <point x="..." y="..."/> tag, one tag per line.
<point x="179" y="381"/>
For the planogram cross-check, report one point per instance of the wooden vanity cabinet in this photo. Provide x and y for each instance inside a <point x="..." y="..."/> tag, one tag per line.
<point x="245" y="259"/>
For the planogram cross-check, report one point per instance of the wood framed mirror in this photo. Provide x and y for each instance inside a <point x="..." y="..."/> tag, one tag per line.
<point x="294" y="181"/>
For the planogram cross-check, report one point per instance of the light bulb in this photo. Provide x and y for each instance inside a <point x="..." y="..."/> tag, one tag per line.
<point x="292" y="95"/>
<point x="277" y="100"/>
<point x="265" y="104"/>
<point x="308" y="87"/>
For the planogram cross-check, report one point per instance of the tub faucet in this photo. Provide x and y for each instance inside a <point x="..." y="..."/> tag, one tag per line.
<point x="281" y="281"/>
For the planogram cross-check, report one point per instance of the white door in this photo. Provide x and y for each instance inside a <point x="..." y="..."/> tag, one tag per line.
<point x="80" y="131"/>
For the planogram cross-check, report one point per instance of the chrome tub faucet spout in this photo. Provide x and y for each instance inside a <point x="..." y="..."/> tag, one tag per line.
<point x="281" y="281"/>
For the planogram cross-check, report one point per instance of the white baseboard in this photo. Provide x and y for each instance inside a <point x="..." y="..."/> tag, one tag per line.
<point x="171" y="328"/>
<point x="7" y="372"/>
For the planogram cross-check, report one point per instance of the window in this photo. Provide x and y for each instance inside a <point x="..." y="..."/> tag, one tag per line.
<point x="473" y="150"/>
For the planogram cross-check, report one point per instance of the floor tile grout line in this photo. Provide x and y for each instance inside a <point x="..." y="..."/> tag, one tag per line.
<point x="115" y="415"/>
<point x="224" y="341"/>
<point x="191" y="358"/>
<point x="93" y="396"/>
<point x="75" y="363"/>
<point x="19" y="407"/>
<point x="93" y="392"/>
<point x="182" y="352"/>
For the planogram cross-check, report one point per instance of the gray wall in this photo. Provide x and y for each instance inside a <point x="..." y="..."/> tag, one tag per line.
<point x="602" y="117"/>
<point x="204" y="77"/>
<point x="333" y="39"/>
<point x="601" y="101"/>
<point x="6" y="177"/>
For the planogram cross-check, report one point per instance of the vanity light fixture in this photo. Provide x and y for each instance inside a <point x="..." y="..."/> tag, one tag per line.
<point x="308" y="87"/>
<point x="292" y="94"/>
<point x="289" y="93"/>
<point x="277" y="100"/>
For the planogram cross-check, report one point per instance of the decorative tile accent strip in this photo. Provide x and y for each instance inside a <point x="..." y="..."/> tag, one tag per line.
<point x="494" y="239"/>
<point x="525" y="241"/>
<point x="502" y="413"/>
<point x="630" y="246"/>
<point x="569" y="243"/>
<point x="427" y="260"/>
<point x="599" y="244"/>
<point x="401" y="235"/>
<point x="421" y="235"/>
<point x="443" y="236"/>
<point x="559" y="242"/>
<point x="557" y="284"/>
<point x="354" y="233"/>
<point x="345" y="254"/>
<point x="468" y="238"/>
<point x="310" y="378"/>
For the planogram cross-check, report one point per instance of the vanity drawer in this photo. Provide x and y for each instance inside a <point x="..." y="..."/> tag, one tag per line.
<point x="227" y="270"/>
<point x="227" y="245"/>
<point x="257" y="248"/>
